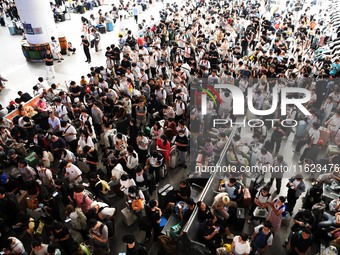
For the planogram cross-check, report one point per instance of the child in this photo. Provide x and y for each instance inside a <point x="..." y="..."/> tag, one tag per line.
<point x="70" y="49"/>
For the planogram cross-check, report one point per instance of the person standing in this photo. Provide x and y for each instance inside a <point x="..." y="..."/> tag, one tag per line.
<point x="86" y="47"/>
<point x="296" y="187"/>
<point x="281" y="165"/>
<point x="56" y="48"/>
<point x="96" y="39"/>
<point x="135" y="12"/>
<point x="48" y="58"/>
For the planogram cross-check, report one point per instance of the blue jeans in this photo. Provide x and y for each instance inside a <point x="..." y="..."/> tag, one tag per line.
<point x="181" y="157"/>
<point x="328" y="222"/>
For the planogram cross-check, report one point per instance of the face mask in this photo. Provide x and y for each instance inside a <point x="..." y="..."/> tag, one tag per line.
<point x="182" y="135"/>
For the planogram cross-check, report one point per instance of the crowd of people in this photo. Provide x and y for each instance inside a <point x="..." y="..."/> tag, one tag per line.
<point x="112" y="132"/>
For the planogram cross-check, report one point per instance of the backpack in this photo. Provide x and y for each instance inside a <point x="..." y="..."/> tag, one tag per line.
<point x="69" y="112"/>
<point x="285" y="214"/>
<point x="110" y="227"/>
<point x="267" y="236"/>
<point x="318" y="209"/>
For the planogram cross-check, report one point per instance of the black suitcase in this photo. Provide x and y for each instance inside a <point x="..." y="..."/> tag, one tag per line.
<point x="313" y="153"/>
<point x="240" y="219"/>
<point x="80" y="9"/>
<point x="62" y="17"/>
<point x="268" y="145"/>
<point x="102" y="29"/>
<point x="165" y="195"/>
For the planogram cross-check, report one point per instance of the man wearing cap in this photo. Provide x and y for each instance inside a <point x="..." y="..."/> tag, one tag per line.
<point x="296" y="187"/>
<point x="221" y="204"/>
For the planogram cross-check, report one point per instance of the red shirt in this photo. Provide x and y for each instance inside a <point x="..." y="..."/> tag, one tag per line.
<point x="165" y="147"/>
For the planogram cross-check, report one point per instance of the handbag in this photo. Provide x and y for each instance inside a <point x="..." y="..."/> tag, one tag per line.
<point x="260" y="212"/>
<point x="175" y="230"/>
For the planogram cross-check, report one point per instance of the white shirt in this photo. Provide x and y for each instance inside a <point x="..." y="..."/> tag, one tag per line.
<point x="132" y="161"/>
<point x="71" y="133"/>
<point x="62" y="112"/>
<point x="118" y="171"/>
<point x="180" y="107"/>
<point x="45" y="176"/>
<point x="82" y="142"/>
<point x="106" y="212"/>
<point x="261" y="198"/>
<point x="142" y="143"/>
<point x="17" y="247"/>
<point x="267" y="158"/>
<point x="54" y="123"/>
<point x="73" y="172"/>
<point x="315" y="134"/>
<point x="241" y="248"/>
<point x="69" y="157"/>
<point x="124" y="185"/>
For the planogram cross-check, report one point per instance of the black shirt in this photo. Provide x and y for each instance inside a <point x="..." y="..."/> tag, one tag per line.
<point x="92" y="156"/>
<point x="25" y="97"/>
<point x="125" y="63"/>
<point x="205" y="215"/>
<point x="183" y="140"/>
<point x="86" y="44"/>
<point x="48" y="57"/>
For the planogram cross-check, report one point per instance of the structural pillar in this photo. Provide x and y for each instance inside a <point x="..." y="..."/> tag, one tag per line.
<point x="39" y="26"/>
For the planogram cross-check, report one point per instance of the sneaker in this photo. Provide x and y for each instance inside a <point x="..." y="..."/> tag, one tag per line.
<point x="157" y="184"/>
<point x="86" y="61"/>
<point x="249" y="221"/>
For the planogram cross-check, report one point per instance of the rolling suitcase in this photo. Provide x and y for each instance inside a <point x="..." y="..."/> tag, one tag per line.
<point x="62" y="17"/>
<point x="81" y="9"/>
<point x="240" y="219"/>
<point x="128" y="216"/>
<point x="313" y="153"/>
<point x="101" y="29"/>
<point x="325" y="134"/>
<point x="332" y="150"/>
<point x="173" y="157"/>
<point x="12" y="30"/>
<point x="109" y="26"/>
<point x="165" y="195"/>
<point x="163" y="172"/>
